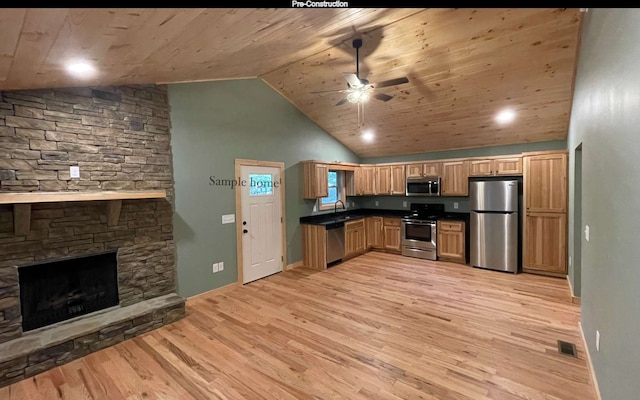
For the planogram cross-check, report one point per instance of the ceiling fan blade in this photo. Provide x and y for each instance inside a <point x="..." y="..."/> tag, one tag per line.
<point x="353" y="80"/>
<point x="391" y="82"/>
<point x="341" y="102"/>
<point x="382" y="96"/>
<point x="331" y="91"/>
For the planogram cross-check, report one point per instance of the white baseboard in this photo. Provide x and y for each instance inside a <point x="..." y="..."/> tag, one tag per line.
<point x="592" y="371"/>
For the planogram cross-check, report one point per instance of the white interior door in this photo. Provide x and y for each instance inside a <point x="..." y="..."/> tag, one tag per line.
<point x="261" y="222"/>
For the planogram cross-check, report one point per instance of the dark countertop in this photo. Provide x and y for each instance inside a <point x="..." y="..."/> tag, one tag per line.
<point x="359" y="213"/>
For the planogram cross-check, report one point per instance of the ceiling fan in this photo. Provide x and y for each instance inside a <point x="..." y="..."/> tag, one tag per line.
<point x="359" y="90"/>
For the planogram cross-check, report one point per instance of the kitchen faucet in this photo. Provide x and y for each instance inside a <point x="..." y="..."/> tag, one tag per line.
<point x="335" y="206"/>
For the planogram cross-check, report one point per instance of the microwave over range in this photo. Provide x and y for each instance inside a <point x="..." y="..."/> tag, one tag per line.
<point x="423" y="186"/>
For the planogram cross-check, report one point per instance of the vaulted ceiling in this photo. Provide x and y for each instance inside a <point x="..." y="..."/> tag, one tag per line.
<point x="463" y="65"/>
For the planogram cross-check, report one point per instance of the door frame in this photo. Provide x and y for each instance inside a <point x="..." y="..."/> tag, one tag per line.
<point x="239" y="162"/>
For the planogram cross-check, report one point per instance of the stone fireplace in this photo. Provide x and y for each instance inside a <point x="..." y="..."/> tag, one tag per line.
<point x="75" y="281"/>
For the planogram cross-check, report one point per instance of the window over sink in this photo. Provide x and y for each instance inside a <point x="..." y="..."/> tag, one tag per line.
<point x="336" y="190"/>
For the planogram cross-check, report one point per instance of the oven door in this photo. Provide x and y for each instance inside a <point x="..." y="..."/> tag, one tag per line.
<point x="419" y="235"/>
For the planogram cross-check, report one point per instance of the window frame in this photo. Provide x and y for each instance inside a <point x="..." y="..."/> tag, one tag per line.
<point x="341" y="192"/>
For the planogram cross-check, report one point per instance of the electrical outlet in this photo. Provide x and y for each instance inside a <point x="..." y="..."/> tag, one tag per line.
<point x="315" y="208"/>
<point x="377" y="203"/>
<point x="456" y="205"/>
<point x="74" y="172"/>
<point x="404" y="204"/>
<point x="597" y="340"/>
<point x="569" y="260"/>
<point x="220" y="266"/>
<point x="586" y="232"/>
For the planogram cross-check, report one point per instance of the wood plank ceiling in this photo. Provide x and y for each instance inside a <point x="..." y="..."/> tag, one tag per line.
<point x="464" y="65"/>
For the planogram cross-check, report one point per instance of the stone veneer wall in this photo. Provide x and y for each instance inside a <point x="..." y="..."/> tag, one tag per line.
<point x="119" y="137"/>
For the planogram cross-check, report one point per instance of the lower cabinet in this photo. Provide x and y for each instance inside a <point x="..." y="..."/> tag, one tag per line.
<point x="451" y="241"/>
<point x="391" y="234"/>
<point x="545" y="243"/>
<point x="354" y="238"/>
<point x="374" y="233"/>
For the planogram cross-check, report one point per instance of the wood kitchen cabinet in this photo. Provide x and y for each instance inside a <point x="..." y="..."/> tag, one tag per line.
<point x="365" y="180"/>
<point x="383" y="180"/>
<point x="315" y="180"/>
<point x="391" y="234"/>
<point x="354" y="238"/>
<point x="545" y="182"/>
<point x="423" y="169"/>
<point x="451" y="241"/>
<point x="455" y="178"/>
<point x="398" y="180"/>
<point x="545" y="221"/>
<point x="545" y="247"/>
<point x="374" y="233"/>
<point x="495" y="166"/>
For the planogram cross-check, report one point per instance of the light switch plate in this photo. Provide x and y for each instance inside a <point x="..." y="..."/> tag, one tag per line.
<point x="404" y="204"/>
<point x="586" y="232"/>
<point x="220" y="266"/>
<point x="74" y="172"/>
<point x="377" y="203"/>
<point x="456" y="205"/>
<point x="228" y="219"/>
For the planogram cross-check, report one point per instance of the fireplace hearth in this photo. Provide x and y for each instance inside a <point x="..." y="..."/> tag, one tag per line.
<point x="56" y="291"/>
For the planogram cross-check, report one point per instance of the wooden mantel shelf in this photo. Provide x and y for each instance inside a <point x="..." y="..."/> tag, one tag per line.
<point x="22" y="203"/>
<point x="55" y="197"/>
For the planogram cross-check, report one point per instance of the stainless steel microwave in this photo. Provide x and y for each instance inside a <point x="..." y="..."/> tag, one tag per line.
<point x="423" y="186"/>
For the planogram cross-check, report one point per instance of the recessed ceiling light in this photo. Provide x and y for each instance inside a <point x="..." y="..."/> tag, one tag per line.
<point x="368" y="136"/>
<point x="505" y="116"/>
<point x="81" y="69"/>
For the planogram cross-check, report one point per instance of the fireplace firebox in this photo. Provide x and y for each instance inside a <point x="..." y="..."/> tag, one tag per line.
<point x="59" y="290"/>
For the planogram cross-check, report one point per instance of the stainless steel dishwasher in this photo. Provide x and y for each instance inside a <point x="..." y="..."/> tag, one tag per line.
<point x="335" y="242"/>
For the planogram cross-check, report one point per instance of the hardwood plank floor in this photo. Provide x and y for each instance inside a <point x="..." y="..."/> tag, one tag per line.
<point x="378" y="326"/>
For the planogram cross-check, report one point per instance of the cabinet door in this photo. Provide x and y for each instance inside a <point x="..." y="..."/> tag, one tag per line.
<point x="480" y="167"/>
<point x="361" y="242"/>
<point x="545" y="182"/>
<point x="433" y="169"/>
<point x="391" y="238"/>
<point x="451" y="241"/>
<point x="350" y="242"/>
<point x="455" y="178"/>
<point x="367" y="177"/>
<point x="415" y="170"/>
<point x="315" y="177"/>
<point x="383" y="180"/>
<point x="545" y="243"/>
<point x="398" y="181"/>
<point x="374" y="232"/>
<point x="507" y="166"/>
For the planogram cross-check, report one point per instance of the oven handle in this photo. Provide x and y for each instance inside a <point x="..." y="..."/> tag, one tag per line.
<point x="419" y="223"/>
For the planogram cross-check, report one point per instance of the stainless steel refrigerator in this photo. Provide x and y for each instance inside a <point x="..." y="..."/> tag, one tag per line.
<point x="494" y="224"/>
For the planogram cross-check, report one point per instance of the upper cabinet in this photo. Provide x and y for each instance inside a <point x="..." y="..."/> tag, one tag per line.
<point x="365" y="180"/>
<point x="315" y="182"/>
<point x="545" y="180"/>
<point x="424" y="169"/>
<point x="398" y="180"/>
<point x="383" y="179"/>
<point x="455" y="178"/>
<point x="495" y="166"/>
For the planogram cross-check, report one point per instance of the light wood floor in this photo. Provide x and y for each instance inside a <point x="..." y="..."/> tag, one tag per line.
<point x="378" y="326"/>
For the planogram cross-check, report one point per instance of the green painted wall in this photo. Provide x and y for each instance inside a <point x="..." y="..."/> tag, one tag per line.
<point x="213" y="124"/>
<point x="605" y="118"/>
<point x="397" y="202"/>
<point x="475" y="152"/>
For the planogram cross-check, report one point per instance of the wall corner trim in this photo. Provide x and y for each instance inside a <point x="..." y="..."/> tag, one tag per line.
<point x="294" y="265"/>
<point x="592" y="371"/>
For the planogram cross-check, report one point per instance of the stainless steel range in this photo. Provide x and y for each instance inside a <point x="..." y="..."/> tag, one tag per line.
<point x="419" y="231"/>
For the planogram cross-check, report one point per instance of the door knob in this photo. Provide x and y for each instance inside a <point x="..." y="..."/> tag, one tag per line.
<point x="245" y="231"/>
